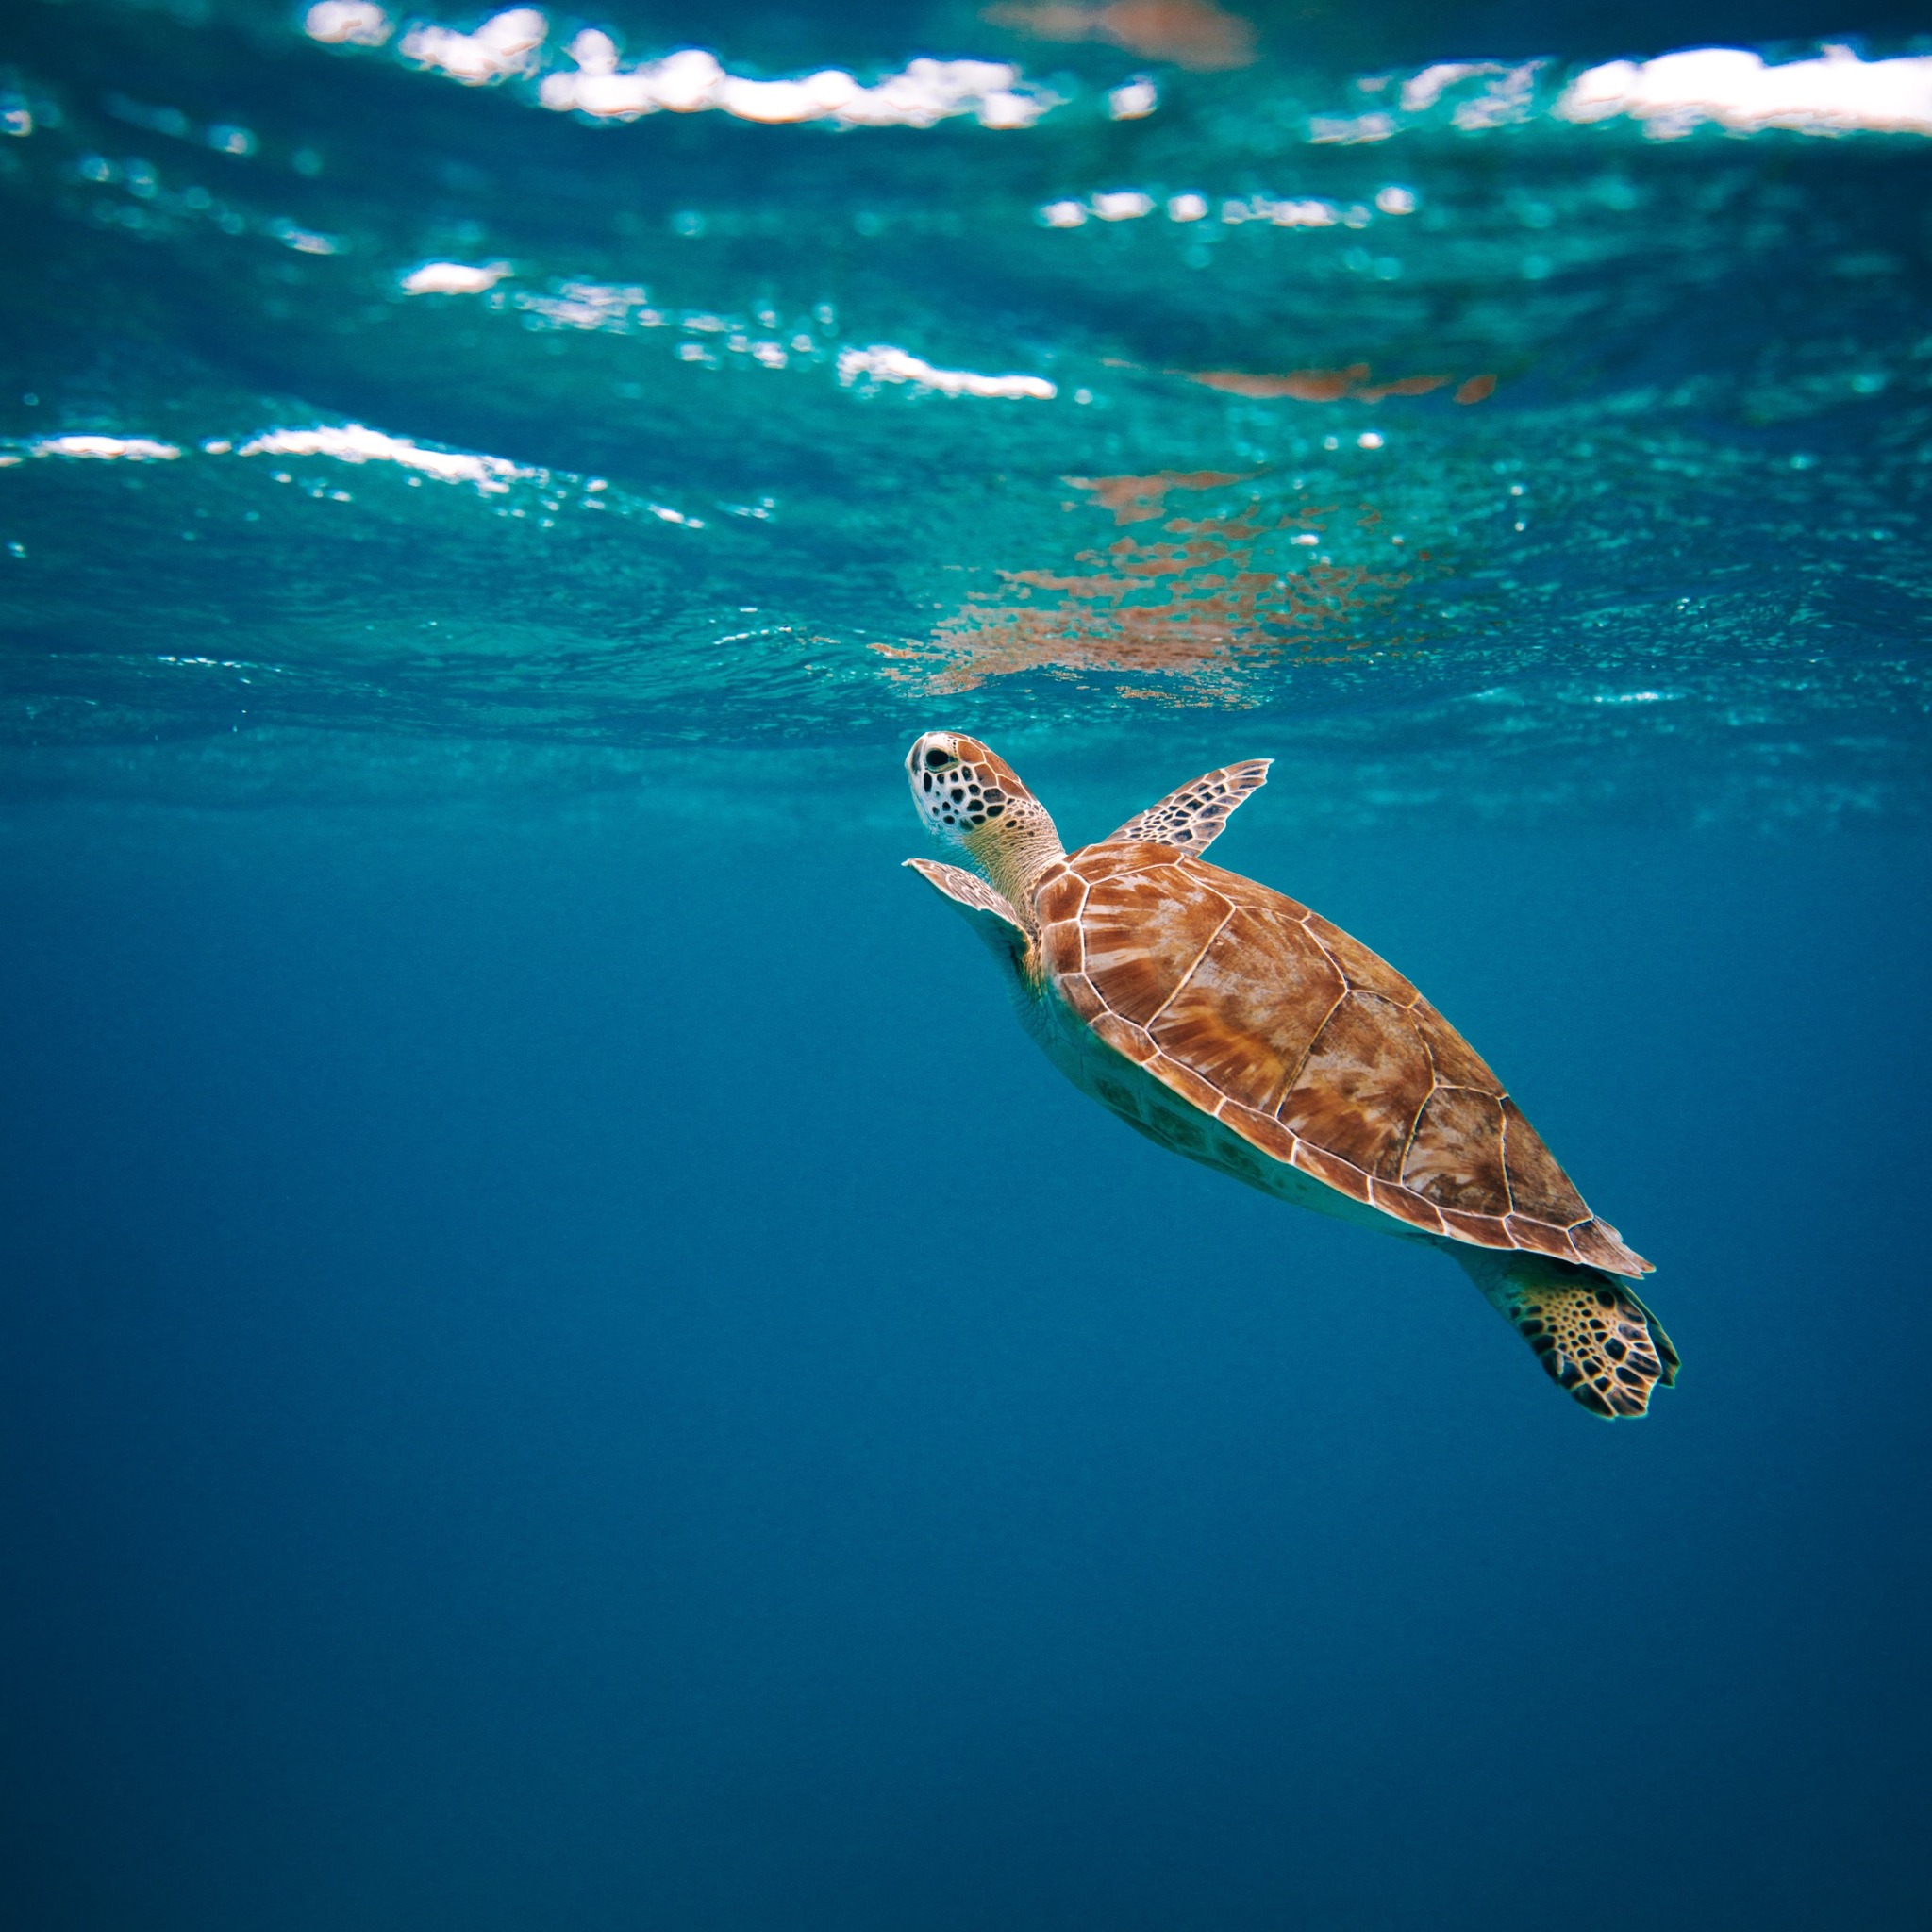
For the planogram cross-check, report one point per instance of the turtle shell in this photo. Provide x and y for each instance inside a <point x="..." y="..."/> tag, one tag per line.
<point x="1309" y="1047"/>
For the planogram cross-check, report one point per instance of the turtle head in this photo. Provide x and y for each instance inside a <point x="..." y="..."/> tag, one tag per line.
<point x="969" y="796"/>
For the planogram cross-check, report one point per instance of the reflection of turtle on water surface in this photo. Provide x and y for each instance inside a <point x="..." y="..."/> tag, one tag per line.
<point x="1239" y="1028"/>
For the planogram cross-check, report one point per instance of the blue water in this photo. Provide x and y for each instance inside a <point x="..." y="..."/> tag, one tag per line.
<point x="566" y="1364"/>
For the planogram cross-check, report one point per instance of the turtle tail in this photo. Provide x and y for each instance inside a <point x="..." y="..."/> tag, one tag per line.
<point x="1592" y="1334"/>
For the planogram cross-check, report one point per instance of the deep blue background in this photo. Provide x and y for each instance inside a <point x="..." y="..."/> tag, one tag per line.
<point x="568" y="1365"/>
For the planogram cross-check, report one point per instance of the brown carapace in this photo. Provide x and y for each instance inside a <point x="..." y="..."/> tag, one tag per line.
<point x="1233" y="1024"/>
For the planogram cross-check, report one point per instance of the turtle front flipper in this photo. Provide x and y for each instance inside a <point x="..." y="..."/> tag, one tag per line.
<point x="1193" y="817"/>
<point x="1594" y="1338"/>
<point x="987" y="909"/>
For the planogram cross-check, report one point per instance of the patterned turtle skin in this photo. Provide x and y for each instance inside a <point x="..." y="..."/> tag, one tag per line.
<point x="1275" y="1047"/>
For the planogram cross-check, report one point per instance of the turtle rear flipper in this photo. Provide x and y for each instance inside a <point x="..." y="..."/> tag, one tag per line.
<point x="1592" y="1334"/>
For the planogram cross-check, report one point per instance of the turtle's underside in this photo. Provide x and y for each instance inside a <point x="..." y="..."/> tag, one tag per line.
<point x="1239" y="1027"/>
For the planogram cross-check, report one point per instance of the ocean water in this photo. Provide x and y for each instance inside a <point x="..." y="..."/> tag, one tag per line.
<point x="566" y="1364"/>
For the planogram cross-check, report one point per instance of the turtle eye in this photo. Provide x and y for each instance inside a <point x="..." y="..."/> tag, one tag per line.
<point x="937" y="760"/>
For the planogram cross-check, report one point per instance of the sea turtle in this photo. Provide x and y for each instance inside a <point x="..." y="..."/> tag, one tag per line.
<point x="1233" y="1025"/>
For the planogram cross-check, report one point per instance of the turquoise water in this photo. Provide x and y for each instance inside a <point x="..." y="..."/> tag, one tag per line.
<point x="567" y="1363"/>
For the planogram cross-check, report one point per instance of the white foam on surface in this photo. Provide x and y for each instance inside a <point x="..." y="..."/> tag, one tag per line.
<point x="514" y="45"/>
<point x="347" y="23"/>
<point x="1510" y="97"/>
<point x="1422" y="91"/>
<point x="351" y="442"/>
<point x="1835" y="93"/>
<point x="1352" y="130"/>
<point x="137" y="449"/>
<point x="1296" y="214"/>
<point x="506" y="45"/>
<point x="454" y="278"/>
<point x="883" y="364"/>
<point x="691" y="81"/>
<point x="305" y="240"/>
<point x="586" y="305"/>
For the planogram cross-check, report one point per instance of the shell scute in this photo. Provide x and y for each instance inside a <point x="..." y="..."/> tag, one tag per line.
<point x="1122" y="859"/>
<point x="1144" y="932"/>
<point x="1180" y="1079"/>
<point x="1340" y="1174"/>
<point x="1124" y="1038"/>
<point x="1457" y="1063"/>
<point x="1540" y="1235"/>
<point x="1538" y="1186"/>
<point x="1077" y="991"/>
<point x="1260" y="1130"/>
<point x="1364" y="1081"/>
<point x="1060" y="898"/>
<point x="1482" y="1231"/>
<point x="1455" y="1157"/>
<point x="1060" y="948"/>
<point x="1602" y="1246"/>
<point x="1360" y="967"/>
<point x="1248" y="893"/>
<point x="1245" y="1031"/>
<point x="1405" y="1206"/>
